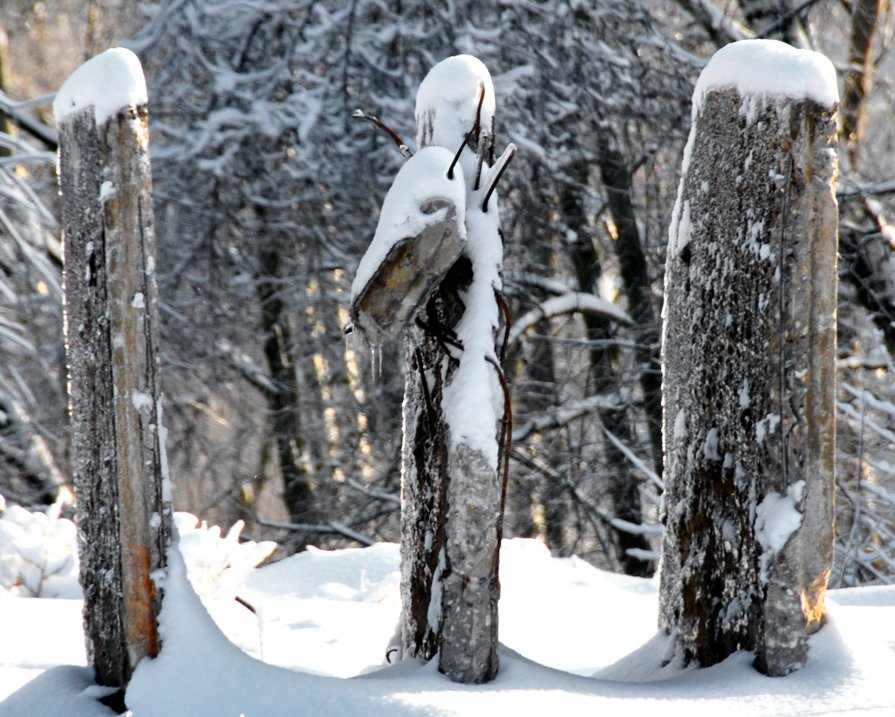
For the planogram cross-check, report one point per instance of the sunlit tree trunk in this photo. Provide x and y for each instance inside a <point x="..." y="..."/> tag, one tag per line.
<point x="749" y="381"/>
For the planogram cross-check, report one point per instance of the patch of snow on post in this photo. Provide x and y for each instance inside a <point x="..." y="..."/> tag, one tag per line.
<point x="776" y="518"/>
<point x="473" y="400"/>
<point x="141" y="401"/>
<point x="754" y="68"/>
<point x="443" y="98"/>
<point x="110" y="82"/>
<point x="769" y="67"/>
<point x="421" y="180"/>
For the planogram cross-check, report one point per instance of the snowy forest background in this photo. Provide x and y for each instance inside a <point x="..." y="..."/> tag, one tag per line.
<point x="267" y="192"/>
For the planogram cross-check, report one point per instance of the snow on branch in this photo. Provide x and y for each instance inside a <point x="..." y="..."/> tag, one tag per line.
<point x="331" y="528"/>
<point x="635" y="460"/>
<point x="558" y="417"/>
<point x="567" y="304"/>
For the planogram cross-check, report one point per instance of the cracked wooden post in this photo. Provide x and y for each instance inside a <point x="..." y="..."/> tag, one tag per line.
<point x="451" y="501"/>
<point x="749" y="360"/>
<point x="111" y="320"/>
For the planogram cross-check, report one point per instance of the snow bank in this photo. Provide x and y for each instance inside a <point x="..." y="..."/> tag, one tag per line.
<point x="38" y="553"/>
<point x="111" y="81"/>
<point x="422" y="180"/>
<point x="562" y="613"/>
<point x="769" y="67"/>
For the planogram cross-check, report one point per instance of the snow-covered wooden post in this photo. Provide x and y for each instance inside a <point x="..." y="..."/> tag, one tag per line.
<point x="111" y="327"/>
<point x="749" y="360"/>
<point x="454" y="401"/>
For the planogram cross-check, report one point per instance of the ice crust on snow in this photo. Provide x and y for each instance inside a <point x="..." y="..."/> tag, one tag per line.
<point x="422" y="179"/>
<point x="111" y="81"/>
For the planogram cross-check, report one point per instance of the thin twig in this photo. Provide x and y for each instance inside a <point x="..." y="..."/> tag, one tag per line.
<point x="507" y="321"/>
<point x="497" y="173"/>
<point x="466" y="138"/>
<point x="477" y="128"/>
<point x="402" y="147"/>
<point x="431" y="416"/>
<point x="328" y="528"/>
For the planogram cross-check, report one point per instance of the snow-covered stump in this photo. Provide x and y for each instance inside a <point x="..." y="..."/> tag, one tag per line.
<point x="454" y="400"/>
<point x="111" y="307"/>
<point x="749" y="360"/>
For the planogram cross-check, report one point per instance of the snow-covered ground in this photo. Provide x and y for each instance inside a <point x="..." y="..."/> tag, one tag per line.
<point x="577" y="641"/>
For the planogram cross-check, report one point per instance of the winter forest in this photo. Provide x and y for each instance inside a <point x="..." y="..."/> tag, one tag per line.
<point x="407" y="307"/>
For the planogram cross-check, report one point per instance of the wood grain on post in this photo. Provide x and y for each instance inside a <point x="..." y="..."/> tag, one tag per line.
<point x="749" y="381"/>
<point x="111" y="327"/>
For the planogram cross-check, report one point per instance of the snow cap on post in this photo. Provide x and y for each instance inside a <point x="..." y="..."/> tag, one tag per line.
<point x="769" y="67"/>
<point x="447" y="101"/>
<point x="420" y="234"/>
<point x="111" y="81"/>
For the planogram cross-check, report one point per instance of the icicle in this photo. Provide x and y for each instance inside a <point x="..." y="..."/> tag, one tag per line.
<point x="376" y="361"/>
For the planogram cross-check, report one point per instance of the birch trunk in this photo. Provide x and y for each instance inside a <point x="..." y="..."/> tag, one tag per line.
<point x="111" y="306"/>
<point x="749" y="381"/>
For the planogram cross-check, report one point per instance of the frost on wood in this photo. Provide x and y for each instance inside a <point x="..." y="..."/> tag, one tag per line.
<point x="748" y="361"/>
<point x="111" y="331"/>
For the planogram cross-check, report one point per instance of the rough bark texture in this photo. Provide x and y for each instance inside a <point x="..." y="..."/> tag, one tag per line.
<point x="451" y="494"/>
<point x="749" y="381"/>
<point x="111" y="307"/>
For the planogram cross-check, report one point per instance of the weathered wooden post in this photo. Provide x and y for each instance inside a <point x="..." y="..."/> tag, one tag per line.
<point x="436" y="278"/>
<point x="111" y="329"/>
<point x="748" y="356"/>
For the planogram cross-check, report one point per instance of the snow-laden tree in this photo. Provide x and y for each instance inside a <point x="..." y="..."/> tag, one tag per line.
<point x="589" y="203"/>
<point x="33" y="425"/>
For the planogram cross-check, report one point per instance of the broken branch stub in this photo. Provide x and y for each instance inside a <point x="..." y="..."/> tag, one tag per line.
<point x="421" y="233"/>
<point x="407" y="276"/>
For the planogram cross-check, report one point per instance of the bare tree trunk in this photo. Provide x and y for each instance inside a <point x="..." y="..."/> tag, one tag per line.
<point x="623" y="486"/>
<point x="452" y="500"/>
<point x="282" y="396"/>
<point x="859" y="75"/>
<point x="616" y="176"/>
<point x="749" y="381"/>
<point x="7" y="126"/>
<point x="111" y="324"/>
<point x="868" y="263"/>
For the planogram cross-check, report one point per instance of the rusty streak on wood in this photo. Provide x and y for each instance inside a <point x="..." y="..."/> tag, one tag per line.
<point x="111" y="323"/>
